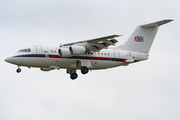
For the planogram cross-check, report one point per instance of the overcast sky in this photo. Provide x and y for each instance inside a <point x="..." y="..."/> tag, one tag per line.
<point x="147" y="90"/>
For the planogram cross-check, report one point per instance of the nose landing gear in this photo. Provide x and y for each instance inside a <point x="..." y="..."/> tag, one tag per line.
<point x="18" y="70"/>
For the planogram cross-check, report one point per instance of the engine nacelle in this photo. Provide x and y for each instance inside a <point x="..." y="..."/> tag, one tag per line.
<point x="46" y="69"/>
<point x="64" y="52"/>
<point x="77" y="50"/>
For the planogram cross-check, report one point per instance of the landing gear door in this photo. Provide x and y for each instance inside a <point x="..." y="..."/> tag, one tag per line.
<point x="38" y="49"/>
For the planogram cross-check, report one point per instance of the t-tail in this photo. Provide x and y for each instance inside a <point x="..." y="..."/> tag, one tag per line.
<point x="142" y="37"/>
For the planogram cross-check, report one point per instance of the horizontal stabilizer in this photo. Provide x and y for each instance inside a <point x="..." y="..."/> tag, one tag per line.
<point x="156" y="24"/>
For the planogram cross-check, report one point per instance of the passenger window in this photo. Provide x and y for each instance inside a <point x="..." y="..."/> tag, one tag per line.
<point x="104" y="53"/>
<point x="29" y="50"/>
<point x="101" y="53"/>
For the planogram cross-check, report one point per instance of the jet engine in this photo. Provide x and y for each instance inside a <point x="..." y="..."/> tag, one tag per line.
<point x="77" y="50"/>
<point x="64" y="52"/>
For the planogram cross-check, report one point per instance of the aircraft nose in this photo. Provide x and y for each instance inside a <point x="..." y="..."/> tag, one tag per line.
<point x="9" y="60"/>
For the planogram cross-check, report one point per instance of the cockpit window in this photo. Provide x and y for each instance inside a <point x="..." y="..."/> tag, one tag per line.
<point x="20" y="51"/>
<point x="24" y="50"/>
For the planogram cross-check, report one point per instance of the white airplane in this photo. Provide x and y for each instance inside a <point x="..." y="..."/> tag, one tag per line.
<point x="90" y="54"/>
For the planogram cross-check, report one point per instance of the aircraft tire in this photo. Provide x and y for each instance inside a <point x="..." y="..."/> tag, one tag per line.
<point x="18" y="70"/>
<point x="73" y="76"/>
<point x="84" y="70"/>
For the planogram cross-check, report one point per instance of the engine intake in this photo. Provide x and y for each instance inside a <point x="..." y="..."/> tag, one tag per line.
<point x="64" y="52"/>
<point x="77" y="50"/>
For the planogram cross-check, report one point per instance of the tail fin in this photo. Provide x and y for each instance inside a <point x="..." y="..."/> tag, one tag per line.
<point x="143" y="36"/>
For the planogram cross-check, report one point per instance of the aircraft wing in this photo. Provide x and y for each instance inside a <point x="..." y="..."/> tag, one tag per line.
<point x="96" y="44"/>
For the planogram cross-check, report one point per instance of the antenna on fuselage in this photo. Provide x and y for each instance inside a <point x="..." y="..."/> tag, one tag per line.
<point x="60" y="45"/>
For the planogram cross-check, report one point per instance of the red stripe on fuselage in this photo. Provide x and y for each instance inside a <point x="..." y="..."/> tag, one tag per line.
<point x="34" y="55"/>
<point x="76" y="57"/>
<point x="54" y="56"/>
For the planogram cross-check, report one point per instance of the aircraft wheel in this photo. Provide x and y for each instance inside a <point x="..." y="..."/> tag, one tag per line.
<point x="74" y="76"/>
<point x="84" y="70"/>
<point x="18" y="70"/>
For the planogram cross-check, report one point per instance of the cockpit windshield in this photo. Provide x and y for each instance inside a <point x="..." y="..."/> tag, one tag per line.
<point x="25" y="50"/>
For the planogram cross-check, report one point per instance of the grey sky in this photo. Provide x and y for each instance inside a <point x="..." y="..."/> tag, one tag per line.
<point x="146" y="90"/>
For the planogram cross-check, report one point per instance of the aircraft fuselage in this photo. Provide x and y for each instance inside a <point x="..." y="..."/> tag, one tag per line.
<point x="46" y="57"/>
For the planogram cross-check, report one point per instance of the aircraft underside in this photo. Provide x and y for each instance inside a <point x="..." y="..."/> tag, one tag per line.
<point x="52" y="62"/>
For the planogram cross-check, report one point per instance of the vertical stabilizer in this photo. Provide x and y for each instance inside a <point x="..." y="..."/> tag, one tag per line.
<point x="142" y="37"/>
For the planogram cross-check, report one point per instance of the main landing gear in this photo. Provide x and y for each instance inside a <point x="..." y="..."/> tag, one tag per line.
<point x="18" y="70"/>
<point x="74" y="75"/>
<point x="84" y="70"/>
